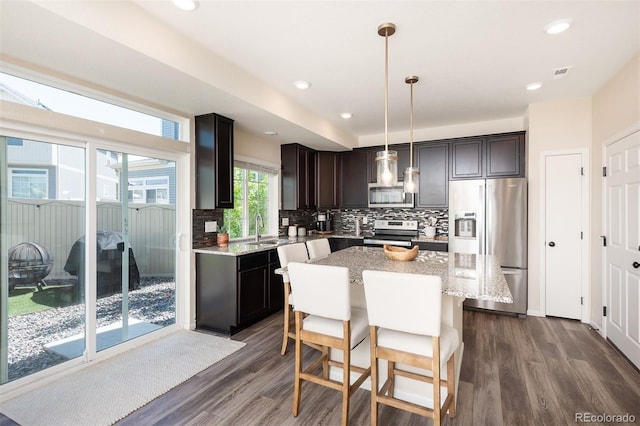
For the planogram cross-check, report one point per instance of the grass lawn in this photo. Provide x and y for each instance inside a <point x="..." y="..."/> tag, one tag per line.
<point x="26" y="300"/>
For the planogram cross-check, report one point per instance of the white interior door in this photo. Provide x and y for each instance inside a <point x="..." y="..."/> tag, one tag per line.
<point x="563" y="238"/>
<point x="622" y="253"/>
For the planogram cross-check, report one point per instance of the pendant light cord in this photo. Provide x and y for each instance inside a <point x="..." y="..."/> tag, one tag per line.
<point x="386" y="90"/>
<point x="411" y="131"/>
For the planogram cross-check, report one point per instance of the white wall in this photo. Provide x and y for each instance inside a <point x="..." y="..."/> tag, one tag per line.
<point x="259" y="148"/>
<point x="553" y="126"/>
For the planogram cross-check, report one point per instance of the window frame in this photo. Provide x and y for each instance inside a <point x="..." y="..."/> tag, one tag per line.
<point x="271" y="221"/>
<point x="42" y="172"/>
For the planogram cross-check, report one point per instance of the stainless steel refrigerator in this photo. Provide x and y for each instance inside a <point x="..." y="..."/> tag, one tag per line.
<point x="489" y="216"/>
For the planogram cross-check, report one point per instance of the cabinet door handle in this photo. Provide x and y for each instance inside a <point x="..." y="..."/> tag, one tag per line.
<point x="552" y="244"/>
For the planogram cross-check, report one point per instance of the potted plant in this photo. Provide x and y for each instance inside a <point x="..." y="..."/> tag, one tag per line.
<point x="223" y="236"/>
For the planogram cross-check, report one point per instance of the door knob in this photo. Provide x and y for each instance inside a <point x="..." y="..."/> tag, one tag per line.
<point x="636" y="265"/>
<point x="552" y="244"/>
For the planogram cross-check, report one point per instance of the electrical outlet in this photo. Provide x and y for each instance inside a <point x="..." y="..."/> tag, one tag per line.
<point x="285" y="221"/>
<point x="211" y="226"/>
<point x="364" y="220"/>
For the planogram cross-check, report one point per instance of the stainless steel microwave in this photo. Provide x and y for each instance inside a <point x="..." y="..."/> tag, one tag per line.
<point x="389" y="196"/>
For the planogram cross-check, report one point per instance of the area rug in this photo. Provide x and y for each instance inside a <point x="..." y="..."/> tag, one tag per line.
<point x="110" y="390"/>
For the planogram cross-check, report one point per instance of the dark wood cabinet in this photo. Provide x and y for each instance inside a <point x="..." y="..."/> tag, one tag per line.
<point x="343" y="243"/>
<point x="298" y="177"/>
<point x="233" y="292"/>
<point x="214" y="162"/>
<point x="425" y="245"/>
<point x="253" y="286"/>
<point x="354" y="179"/>
<point x="491" y="156"/>
<point x="433" y="162"/>
<point x="404" y="160"/>
<point x="327" y="179"/>
<point x="466" y="159"/>
<point x="505" y="156"/>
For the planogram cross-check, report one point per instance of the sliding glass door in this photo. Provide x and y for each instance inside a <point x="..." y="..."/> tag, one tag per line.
<point x="136" y="228"/>
<point x="42" y="209"/>
<point x="46" y="291"/>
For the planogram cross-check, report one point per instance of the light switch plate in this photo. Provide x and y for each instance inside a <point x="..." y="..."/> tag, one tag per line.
<point x="211" y="226"/>
<point x="285" y="221"/>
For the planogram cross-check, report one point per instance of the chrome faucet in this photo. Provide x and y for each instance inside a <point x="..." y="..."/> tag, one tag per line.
<point x="261" y="224"/>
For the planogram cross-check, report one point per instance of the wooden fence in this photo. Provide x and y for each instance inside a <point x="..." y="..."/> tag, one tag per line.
<point x="59" y="224"/>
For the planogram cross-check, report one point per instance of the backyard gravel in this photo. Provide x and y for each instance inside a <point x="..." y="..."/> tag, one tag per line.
<point x="153" y="302"/>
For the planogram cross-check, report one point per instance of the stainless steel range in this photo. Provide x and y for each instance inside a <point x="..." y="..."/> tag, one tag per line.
<point x="393" y="232"/>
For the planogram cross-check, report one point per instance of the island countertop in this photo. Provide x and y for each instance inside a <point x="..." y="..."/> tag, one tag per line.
<point x="470" y="276"/>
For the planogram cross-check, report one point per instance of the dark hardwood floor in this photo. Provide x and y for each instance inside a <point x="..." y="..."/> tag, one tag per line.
<point x="533" y="371"/>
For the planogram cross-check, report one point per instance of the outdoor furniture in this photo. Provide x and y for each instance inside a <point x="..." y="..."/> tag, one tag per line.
<point x="110" y="246"/>
<point x="29" y="263"/>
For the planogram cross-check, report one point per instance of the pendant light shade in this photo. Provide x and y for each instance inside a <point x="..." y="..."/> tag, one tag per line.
<point x="411" y="174"/>
<point x="386" y="161"/>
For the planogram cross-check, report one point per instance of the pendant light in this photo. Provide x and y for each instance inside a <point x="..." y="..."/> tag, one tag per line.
<point x="411" y="174"/>
<point x="386" y="161"/>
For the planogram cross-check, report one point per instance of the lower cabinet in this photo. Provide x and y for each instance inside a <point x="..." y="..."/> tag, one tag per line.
<point x="424" y="245"/>
<point x="233" y="292"/>
<point x="342" y="243"/>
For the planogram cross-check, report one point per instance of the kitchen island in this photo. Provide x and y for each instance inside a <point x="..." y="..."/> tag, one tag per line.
<point x="463" y="276"/>
<point x="236" y="285"/>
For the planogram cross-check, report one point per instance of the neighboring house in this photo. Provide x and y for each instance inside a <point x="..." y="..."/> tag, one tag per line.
<point x="39" y="170"/>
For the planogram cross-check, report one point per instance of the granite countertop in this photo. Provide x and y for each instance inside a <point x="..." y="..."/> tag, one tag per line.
<point x="471" y="276"/>
<point x="237" y="248"/>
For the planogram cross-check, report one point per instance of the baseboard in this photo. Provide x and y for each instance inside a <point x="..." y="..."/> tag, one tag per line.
<point x="533" y="313"/>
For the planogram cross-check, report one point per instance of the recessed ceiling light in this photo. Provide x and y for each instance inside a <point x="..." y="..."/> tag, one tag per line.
<point x="186" y="4"/>
<point x="270" y="133"/>
<point x="534" y="86"/>
<point x="346" y="115"/>
<point x="557" y="27"/>
<point x="302" y="84"/>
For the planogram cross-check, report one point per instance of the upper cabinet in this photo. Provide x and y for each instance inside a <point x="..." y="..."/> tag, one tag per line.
<point x="298" y="177"/>
<point x="488" y="156"/>
<point x="505" y="155"/>
<point x="354" y="178"/>
<point x="327" y="179"/>
<point x="466" y="159"/>
<point x="214" y="162"/>
<point x="434" y="174"/>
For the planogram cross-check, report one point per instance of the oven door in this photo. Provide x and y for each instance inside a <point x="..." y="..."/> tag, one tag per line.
<point x="389" y="196"/>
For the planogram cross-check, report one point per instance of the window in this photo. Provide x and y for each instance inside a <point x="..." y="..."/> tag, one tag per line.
<point x="27" y="92"/>
<point x="150" y="190"/>
<point x="28" y="183"/>
<point x="255" y="192"/>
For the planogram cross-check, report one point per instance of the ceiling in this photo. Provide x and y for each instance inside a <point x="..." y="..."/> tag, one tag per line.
<point x="240" y="58"/>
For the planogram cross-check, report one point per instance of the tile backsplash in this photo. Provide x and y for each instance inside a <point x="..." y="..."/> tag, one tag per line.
<point x="201" y="238"/>
<point x="344" y="219"/>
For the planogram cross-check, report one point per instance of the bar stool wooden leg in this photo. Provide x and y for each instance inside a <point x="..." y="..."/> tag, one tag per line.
<point x="451" y="385"/>
<point x="298" y="367"/>
<point x="374" y="375"/>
